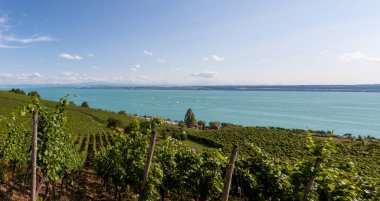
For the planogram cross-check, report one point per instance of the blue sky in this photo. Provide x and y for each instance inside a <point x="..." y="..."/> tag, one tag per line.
<point x="199" y="42"/>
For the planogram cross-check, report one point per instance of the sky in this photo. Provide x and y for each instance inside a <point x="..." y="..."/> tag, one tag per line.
<point x="198" y="42"/>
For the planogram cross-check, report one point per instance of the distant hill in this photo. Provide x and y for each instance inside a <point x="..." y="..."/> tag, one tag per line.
<point x="317" y="88"/>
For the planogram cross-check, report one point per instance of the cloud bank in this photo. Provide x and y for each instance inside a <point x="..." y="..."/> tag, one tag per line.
<point x="359" y="57"/>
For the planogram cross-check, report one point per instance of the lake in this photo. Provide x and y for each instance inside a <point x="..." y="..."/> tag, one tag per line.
<point x="344" y="112"/>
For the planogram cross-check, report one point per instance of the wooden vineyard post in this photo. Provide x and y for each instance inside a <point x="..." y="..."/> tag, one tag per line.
<point x="148" y="160"/>
<point x="310" y="184"/>
<point x="34" y="155"/>
<point x="228" y="177"/>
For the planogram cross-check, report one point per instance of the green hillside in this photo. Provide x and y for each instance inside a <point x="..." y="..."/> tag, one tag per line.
<point x="79" y="119"/>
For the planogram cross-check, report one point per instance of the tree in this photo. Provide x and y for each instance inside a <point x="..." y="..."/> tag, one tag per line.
<point x="201" y="124"/>
<point x="85" y="104"/>
<point x="348" y="135"/>
<point x="17" y="91"/>
<point x="215" y="123"/>
<point x="123" y="112"/>
<point x="114" y="123"/>
<point x="34" y="94"/>
<point x="190" y="118"/>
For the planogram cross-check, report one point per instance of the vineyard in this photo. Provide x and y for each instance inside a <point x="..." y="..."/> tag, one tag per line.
<point x="100" y="164"/>
<point x="79" y="119"/>
<point x="64" y="159"/>
<point x="288" y="146"/>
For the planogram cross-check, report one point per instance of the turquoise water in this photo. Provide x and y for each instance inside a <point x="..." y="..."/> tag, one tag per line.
<point x="356" y="112"/>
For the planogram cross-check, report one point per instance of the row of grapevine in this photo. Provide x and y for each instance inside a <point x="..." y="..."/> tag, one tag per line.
<point x="180" y="173"/>
<point x="176" y="172"/>
<point x="61" y="155"/>
<point x="288" y="146"/>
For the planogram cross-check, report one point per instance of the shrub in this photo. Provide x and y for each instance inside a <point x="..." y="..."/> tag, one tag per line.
<point x="17" y="91"/>
<point x="114" y="123"/>
<point x="85" y="104"/>
<point x="34" y="94"/>
<point x="215" y="123"/>
<point x="122" y="112"/>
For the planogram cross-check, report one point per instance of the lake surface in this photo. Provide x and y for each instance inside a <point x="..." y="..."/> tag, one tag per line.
<point x="343" y="112"/>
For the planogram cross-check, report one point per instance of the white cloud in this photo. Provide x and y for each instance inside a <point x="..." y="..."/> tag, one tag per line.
<point x="69" y="56"/>
<point x="135" y="67"/>
<point x="90" y="55"/>
<point x="37" y="75"/>
<point x="7" y="38"/>
<point x="10" y="46"/>
<point x="325" y="52"/>
<point x="213" y="58"/>
<point x="71" y="77"/>
<point x="146" y="52"/>
<point x="20" y="76"/>
<point x="4" y="23"/>
<point x="67" y="73"/>
<point x="95" y="67"/>
<point x="359" y="57"/>
<point x="3" y="19"/>
<point x="206" y="74"/>
<point x="64" y="77"/>
<point x="32" y="39"/>
<point x="161" y="61"/>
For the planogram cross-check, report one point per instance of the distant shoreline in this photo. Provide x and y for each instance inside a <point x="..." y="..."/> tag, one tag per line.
<point x="302" y="88"/>
<point x="311" y="88"/>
